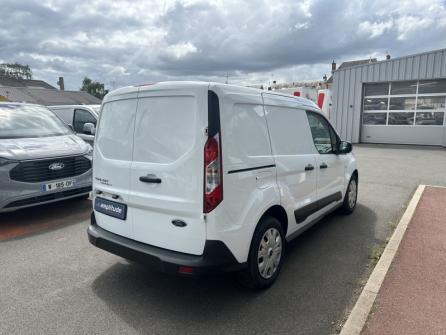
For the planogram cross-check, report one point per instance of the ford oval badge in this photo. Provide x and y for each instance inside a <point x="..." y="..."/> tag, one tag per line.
<point x="56" y="166"/>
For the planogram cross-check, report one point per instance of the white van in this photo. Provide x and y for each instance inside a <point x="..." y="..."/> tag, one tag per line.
<point x="81" y="118"/>
<point x="190" y="177"/>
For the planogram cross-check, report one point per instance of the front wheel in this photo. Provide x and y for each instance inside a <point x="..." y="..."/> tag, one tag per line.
<point x="265" y="255"/>
<point x="351" y="196"/>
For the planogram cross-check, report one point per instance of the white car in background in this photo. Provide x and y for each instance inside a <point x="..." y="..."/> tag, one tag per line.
<point x="191" y="177"/>
<point x="81" y="118"/>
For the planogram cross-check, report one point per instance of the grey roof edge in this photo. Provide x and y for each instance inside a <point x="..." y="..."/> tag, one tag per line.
<point x="390" y="60"/>
<point x="28" y="83"/>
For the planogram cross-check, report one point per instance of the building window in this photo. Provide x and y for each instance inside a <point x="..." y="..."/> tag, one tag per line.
<point x="401" y="103"/>
<point x="401" y="118"/>
<point x="403" y="87"/>
<point x="432" y="86"/>
<point x="413" y="103"/>
<point x="431" y="103"/>
<point x="430" y="118"/>
<point x="375" y="118"/>
<point x="377" y="89"/>
<point x="372" y="104"/>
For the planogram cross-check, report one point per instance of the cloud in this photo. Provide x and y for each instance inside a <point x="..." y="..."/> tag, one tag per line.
<point x="125" y="42"/>
<point x="409" y="24"/>
<point x="374" y="29"/>
<point x="180" y="50"/>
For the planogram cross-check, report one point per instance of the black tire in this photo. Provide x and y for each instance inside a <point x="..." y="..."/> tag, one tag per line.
<point x="251" y="276"/>
<point x="349" y="205"/>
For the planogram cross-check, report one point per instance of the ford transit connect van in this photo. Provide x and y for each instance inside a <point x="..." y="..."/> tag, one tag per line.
<point x="41" y="160"/>
<point x="191" y="177"/>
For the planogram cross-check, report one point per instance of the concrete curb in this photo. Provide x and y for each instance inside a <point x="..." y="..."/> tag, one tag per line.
<point x="361" y="310"/>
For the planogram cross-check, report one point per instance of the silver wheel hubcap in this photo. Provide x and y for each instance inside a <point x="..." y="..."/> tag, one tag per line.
<point x="352" y="193"/>
<point x="269" y="253"/>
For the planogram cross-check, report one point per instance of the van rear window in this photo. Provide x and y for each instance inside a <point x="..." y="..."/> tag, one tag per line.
<point x="115" y="134"/>
<point x="165" y="128"/>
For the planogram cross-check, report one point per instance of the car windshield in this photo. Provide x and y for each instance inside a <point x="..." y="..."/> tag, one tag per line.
<point x="24" y="121"/>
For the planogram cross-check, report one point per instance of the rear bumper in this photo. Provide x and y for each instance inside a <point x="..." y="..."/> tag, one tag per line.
<point x="216" y="255"/>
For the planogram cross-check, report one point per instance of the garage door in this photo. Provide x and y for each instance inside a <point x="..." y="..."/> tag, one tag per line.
<point x="404" y="112"/>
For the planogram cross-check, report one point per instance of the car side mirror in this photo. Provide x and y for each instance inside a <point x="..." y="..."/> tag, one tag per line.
<point x="89" y="128"/>
<point x="344" y="147"/>
<point x="70" y="126"/>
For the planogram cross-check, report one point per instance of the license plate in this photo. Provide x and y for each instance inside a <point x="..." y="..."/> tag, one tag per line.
<point x="58" y="185"/>
<point x="111" y="208"/>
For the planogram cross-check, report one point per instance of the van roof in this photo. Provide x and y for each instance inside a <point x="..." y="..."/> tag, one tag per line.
<point x="185" y="84"/>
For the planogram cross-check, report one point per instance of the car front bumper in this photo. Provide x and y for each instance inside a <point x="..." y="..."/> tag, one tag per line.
<point x="216" y="256"/>
<point x="16" y="195"/>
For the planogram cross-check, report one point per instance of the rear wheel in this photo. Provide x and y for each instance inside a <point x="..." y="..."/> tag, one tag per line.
<point x="351" y="196"/>
<point x="265" y="255"/>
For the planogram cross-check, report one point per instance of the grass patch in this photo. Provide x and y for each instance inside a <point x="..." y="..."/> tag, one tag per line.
<point x="375" y="252"/>
<point x="393" y="225"/>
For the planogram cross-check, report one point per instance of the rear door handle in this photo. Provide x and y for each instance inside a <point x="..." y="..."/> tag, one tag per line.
<point x="149" y="179"/>
<point x="323" y="166"/>
<point x="309" y="167"/>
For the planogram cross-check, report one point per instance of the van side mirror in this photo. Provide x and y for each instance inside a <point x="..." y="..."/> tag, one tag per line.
<point x="344" y="147"/>
<point x="89" y="128"/>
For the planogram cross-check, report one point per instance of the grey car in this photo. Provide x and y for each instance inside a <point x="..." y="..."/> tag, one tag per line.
<point x="41" y="159"/>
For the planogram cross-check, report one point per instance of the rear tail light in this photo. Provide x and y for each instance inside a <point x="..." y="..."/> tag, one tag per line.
<point x="213" y="174"/>
<point x="185" y="270"/>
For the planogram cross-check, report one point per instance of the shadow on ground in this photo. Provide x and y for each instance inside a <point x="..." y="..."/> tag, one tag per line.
<point x="37" y="219"/>
<point x="320" y="260"/>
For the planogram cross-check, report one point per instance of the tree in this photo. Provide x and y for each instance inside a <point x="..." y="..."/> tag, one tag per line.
<point x="94" y="88"/>
<point x="16" y="71"/>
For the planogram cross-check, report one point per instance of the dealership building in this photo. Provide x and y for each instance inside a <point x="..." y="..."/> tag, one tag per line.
<point x="400" y="100"/>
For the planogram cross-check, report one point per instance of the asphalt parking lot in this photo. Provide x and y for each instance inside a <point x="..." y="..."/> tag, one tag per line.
<point x="54" y="282"/>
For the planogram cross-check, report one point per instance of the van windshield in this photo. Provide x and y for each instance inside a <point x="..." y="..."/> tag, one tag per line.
<point x="25" y="121"/>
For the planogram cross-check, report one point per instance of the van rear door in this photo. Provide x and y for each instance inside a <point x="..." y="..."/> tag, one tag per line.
<point x="167" y="170"/>
<point x="112" y="161"/>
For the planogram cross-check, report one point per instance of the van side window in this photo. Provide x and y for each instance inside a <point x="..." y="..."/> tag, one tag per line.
<point x="81" y="117"/>
<point x="324" y="137"/>
<point x="246" y="137"/>
<point x="289" y="131"/>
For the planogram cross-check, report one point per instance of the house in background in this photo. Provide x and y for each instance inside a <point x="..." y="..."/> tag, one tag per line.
<point x="42" y="93"/>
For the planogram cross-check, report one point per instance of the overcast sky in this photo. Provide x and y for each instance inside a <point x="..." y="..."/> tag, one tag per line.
<point x="127" y="42"/>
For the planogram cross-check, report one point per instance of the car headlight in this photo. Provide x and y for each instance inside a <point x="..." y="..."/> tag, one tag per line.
<point x="5" y="161"/>
<point x="89" y="151"/>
